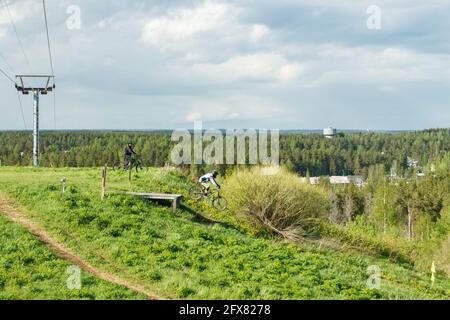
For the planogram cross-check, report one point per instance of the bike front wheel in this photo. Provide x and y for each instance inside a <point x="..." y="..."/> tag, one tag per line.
<point x="138" y="167"/>
<point x="219" y="203"/>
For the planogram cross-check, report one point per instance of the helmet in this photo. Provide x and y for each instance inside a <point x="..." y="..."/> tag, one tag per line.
<point x="130" y="142"/>
<point x="215" y="173"/>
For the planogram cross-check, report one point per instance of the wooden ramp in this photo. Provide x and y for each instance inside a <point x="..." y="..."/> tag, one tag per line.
<point x="175" y="198"/>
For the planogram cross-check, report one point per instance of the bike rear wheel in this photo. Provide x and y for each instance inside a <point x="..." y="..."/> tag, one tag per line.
<point x="220" y="203"/>
<point x="196" y="192"/>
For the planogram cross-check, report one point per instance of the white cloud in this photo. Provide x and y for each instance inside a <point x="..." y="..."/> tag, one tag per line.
<point x="289" y="71"/>
<point x="104" y="23"/>
<point x="258" y="31"/>
<point x="208" y="29"/>
<point x="336" y="64"/>
<point x="252" y="67"/>
<point x="182" y="23"/>
<point x="19" y="10"/>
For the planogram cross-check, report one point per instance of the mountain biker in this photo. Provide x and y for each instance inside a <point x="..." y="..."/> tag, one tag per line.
<point x="209" y="178"/>
<point x="129" y="152"/>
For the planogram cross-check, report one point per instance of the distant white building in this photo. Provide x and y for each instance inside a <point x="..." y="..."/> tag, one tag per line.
<point x="356" y="180"/>
<point x="329" y="132"/>
<point x="339" y="180"/>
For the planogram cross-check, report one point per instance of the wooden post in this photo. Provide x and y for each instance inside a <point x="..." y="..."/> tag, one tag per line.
<point x="105" y="167"/>
<point x="384" y="208"/>
<point x="410" y="223"/>
<point x="174" y="205"/>
<point x="433" y="273"/>
<point x="63" y="181"/>
<point x="129" y="175"/>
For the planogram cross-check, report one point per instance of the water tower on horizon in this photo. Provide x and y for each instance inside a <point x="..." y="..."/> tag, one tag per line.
<point x="329" y="132"/>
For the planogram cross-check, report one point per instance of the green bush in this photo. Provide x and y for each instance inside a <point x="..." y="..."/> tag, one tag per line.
<point x="280" y="204"/>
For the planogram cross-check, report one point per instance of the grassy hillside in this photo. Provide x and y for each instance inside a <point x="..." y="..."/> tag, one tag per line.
<point x="185" y="256"/>
<point x="29" y="270"/>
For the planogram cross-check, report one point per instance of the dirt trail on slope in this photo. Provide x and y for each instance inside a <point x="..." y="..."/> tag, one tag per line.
<point x="7" y="208"/>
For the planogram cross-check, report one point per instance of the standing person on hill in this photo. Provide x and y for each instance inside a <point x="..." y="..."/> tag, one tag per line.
<point x="129" y="152"/>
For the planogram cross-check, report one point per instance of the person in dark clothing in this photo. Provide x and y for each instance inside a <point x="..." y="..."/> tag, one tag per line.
<point x="129" y="152"/>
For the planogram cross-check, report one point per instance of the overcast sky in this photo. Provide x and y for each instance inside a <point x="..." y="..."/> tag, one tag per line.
<point x="286" y="64"/>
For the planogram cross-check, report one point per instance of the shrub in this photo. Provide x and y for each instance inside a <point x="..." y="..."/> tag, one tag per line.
<point x="185" y="292"/>
<point x="280" y="204"/>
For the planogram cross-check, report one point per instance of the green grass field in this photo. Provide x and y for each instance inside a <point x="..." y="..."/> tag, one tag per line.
<point x="182" y="256"/>
<point x="29" y="270"/>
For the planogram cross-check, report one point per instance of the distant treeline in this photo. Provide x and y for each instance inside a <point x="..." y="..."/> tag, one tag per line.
<point x="356" y="153"/>
<point x="307" y="154"/>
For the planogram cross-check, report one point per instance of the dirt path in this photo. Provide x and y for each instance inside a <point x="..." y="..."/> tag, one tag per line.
<point x="13" y="214"/>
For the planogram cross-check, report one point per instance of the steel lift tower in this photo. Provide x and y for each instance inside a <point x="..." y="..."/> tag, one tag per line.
<point x="49" y="86"/>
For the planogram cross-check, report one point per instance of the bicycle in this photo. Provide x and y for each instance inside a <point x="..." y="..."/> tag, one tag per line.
<point x="134" y="163"/>
<point x="198" y="192"/>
